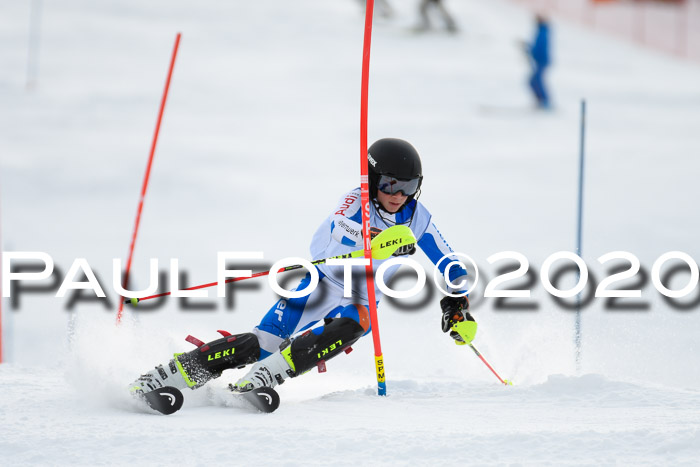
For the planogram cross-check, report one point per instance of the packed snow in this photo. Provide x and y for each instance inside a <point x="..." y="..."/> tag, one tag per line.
<point x="260" y="138"/>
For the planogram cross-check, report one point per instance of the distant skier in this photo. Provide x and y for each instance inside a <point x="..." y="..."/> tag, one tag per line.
<point x="381" y="7"/>
<point x="538" y="54"/>
<point x="436" y="5"/>
<point x="298" y="334"/>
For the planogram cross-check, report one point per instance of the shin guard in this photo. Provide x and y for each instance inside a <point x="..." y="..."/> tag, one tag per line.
<point x="209" y="360"/>
<point x="311" y="349"/>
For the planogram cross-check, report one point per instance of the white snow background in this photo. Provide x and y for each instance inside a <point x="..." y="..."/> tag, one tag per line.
<point x="259" y="140"/>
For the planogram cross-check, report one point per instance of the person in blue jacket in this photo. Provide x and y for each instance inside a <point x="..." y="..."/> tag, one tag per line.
<point x="538" y="53"/>
<point x="298" y="334"/>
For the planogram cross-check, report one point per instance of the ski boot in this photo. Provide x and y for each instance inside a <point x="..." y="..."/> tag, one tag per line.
<point x="171" y="375"/>
<point x="193" y="369"/>
<point x="267" y="373"/>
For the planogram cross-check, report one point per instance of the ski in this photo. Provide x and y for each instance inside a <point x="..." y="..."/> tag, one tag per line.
<point x="166" y="400"/>
<point x="264" y="399"/>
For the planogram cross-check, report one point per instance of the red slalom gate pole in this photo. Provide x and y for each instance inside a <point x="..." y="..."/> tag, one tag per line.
<point x="364" y="190"/>
<point x="134" y="301"/>
<point x="148" y="173"/>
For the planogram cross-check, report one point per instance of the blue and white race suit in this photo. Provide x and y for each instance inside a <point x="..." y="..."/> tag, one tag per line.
<point x="339" y="234"/>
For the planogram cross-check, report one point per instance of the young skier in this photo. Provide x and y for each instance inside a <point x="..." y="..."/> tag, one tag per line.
<point x="288" y="342"/>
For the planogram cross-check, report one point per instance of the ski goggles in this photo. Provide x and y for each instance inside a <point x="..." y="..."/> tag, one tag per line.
<point x="391" y="185"/>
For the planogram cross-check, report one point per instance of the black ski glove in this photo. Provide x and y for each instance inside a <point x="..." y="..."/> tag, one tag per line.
<point x="373" y="232"/>
<point x="454" y="310"/>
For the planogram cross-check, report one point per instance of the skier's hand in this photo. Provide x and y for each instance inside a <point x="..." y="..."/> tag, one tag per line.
<point x="405" y="250"/>
<point x="454" y="311"/>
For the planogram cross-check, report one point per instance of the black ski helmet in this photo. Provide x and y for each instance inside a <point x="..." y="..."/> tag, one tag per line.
<point x="396" y="158"/>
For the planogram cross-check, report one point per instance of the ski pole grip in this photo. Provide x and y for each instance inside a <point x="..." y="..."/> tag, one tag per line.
<point x="466" y="329"/>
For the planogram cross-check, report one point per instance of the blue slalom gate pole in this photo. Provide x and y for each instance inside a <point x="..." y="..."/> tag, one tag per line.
<point x="577" y="326"/>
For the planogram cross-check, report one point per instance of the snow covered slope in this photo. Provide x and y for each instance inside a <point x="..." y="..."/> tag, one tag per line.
<point x="583" y="421"/>
<point x="259" y="140"/>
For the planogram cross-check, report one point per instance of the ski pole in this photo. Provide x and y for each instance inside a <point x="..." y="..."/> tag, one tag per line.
<point x="504" y="381"/>
<point x="383" y="246"/>
<point x="467" y="331"/>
